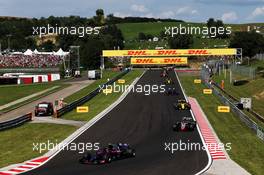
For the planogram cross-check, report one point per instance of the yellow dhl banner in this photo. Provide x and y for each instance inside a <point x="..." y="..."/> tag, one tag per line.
<point x="171" y="52"/>
<point x="207" y="91"/>
<point x="173" y="60"/>
<point x="197" y="81"/>
<point x="121" y="81"/>
<point x="82" y="109"/>
<point x="223" y="109"/>
<point x="107" y="91"/>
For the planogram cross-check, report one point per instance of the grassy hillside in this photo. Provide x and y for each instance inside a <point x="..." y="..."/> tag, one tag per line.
<point x="131" y="30"/>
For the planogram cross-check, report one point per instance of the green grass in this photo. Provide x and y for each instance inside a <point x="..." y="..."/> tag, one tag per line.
<point x="253" y="89"/>
<point x="101" y="101"/>
<point x="247" y="149"/>
<point x="145" y="44"/>
<point x="107" y="74"/>
<point x="62" y="86"/>
<point x="16" y="144"/>
<point x="131" y="30"/>
<point x="14" y="92"/>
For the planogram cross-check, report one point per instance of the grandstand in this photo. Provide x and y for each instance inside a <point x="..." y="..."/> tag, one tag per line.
<point x="32" y="59"/>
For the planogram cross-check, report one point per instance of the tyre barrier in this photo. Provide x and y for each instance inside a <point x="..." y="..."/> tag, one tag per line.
<point x="16" y="122"/>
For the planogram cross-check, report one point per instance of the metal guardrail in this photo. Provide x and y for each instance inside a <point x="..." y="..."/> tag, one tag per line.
<point x="88" y="97"/>
<point x="243" y="117"/>
<point x="16" y="122"/>
<point x="258" y="116"/>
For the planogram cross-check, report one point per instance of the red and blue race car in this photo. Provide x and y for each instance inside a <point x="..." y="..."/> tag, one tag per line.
<point x="106" y="155"/>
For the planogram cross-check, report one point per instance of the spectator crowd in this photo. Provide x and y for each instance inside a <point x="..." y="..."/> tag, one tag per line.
<point x="30" y="61"/>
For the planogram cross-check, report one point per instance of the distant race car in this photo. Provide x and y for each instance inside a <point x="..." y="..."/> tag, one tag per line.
<point x="106" y="155"/>
<point x="120" y="151"/>
<point x="168" y="81"/>
<point x="44" y="109"/>
<point x="101" y="156"/>
<point x="171" y="91"/>
<point x="187" y="124"/>
<point x="164" y="73"/>
<point x="182" y="105"/>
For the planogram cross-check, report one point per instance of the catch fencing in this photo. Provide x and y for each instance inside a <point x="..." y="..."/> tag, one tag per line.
<point x="259" y="57"/>
<point x="243" y="117"/>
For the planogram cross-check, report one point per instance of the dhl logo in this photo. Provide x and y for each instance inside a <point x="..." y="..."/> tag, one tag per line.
<point x="167" y="52"/>
<point x="223" y="109"/>
<point x="170" y="52"/>
<point x="137" y="53"/>
<point x="179" y="60"/>
<point x="207" y="91"/>
<point x="82" y="109"/>
<point x="197" y="81"/>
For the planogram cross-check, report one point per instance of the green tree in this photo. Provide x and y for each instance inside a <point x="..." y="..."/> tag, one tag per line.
<point x="180" y="41"/>
<point x="47" y="46"/>
<point x="99" y="18"/>
<point x="251" y="43"/>
<point x="142" y="36"/>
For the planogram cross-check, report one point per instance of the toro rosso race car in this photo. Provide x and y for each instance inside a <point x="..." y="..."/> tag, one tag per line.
<point x="101" y="156"/>
<point x="121" y="151"/>
<point x="182" y="105"/>
<point x="44" y="109"/>
<point x="187" y="124"/>
<point x="106" y="155"/>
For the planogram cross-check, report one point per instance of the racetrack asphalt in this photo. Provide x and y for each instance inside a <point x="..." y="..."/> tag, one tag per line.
<point x="145" y="122"/>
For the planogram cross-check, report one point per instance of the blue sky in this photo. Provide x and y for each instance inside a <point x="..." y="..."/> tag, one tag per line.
<point x="231" y="11"/>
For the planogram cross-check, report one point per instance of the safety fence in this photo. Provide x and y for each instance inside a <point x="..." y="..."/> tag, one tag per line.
<point x="16" y="122"/>
<point x="259" y="56"/>
<point x="254" y="113"/>
<point x="243" y="117"/>
<point x="81" y="101"/>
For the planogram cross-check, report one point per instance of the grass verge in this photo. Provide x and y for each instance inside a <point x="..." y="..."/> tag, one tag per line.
<point x="247" y="149"/>
<point x="61" y="86"/>
<point x="14" y="92"/>
<point x="107" y="74"/>
<point x="253" y="89"/>
<point x="101" y="101"/>
<point x="16" y="144"/>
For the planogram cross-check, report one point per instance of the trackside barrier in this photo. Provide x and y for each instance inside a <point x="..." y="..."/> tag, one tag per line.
<point x="258" y="116"/>
<point x="16" y="122"/>
<point x="243" y="117"/>
<point x="81" y="101"/>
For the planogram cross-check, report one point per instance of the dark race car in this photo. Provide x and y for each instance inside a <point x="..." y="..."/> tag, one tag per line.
<point x="187" y="124"/>
<point x="121" y="151"/>
<point x="164" y="73"/>
<point x="101" y="156"/>
<point x="182" y="105"/>
<point x="168" y="81"/>
<point x="44" y="109"/>
<point x="171" y="91"/>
